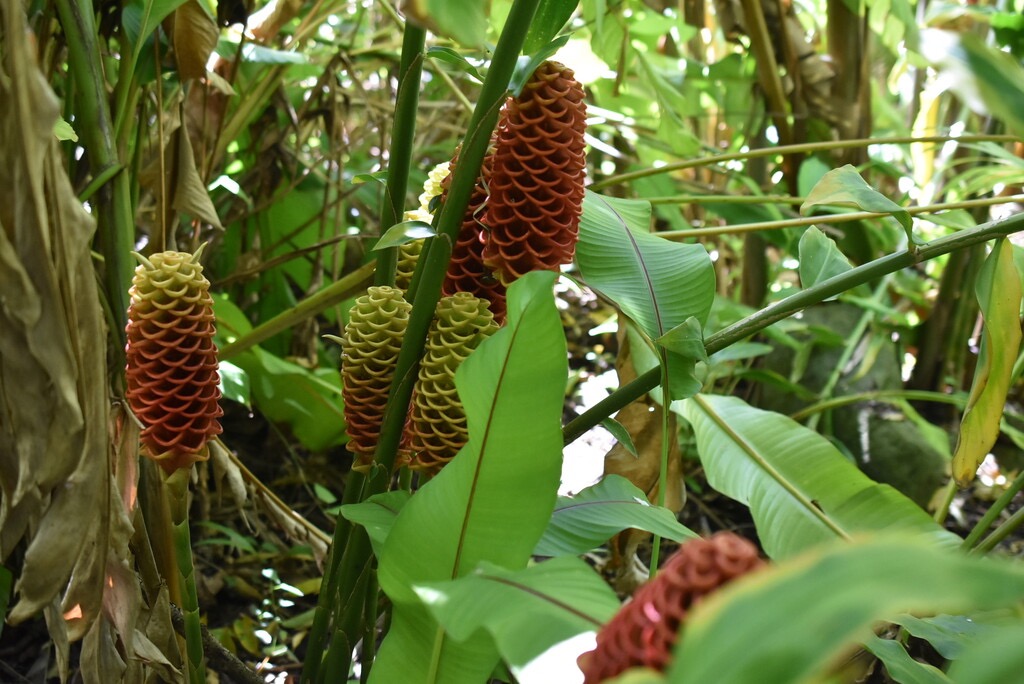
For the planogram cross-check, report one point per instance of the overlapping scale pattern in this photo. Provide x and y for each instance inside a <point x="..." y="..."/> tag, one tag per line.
<point x="466" y="270"/>
<point x="536" y="186"/>
<point x="437" y="422"/>
<point x="408" y="255"/>
<point x="369" y="352"/>
<point x="643" y="633"/>
<point x="172" y="359"/>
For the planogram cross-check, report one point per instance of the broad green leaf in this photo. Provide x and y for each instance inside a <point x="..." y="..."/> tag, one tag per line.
<point x="465" y="21"/>
<point x="525" y="611"/>
<point x="900" y="666"/>
<point x="549" y="19"/>
<point x="800" y="489"/>
<point x="844" y="187"/>
<point x="999" y="294"/>
<point x="996" y="659"/>
<point x="401" y="233"/>
<point x="377" y="515"/>
<point x="820" y="258"/>
<point x="493" y="500"/>
<point x="949" y="634"/>
<point x="790" y="622"/>
<point x="234" y="383"/>
<point x="587" y="520"/>
<point x="657" y="283"/>
<point x="989" y="80"/>
<point x="620" y="433"/>
<point x="259" y="54"/>
<point x="638" y="675"/>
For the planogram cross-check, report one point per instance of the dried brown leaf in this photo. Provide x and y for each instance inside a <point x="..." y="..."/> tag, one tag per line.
<point x="194" y="36"/>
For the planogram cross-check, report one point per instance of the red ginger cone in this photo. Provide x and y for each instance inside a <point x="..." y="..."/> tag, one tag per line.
<point x="643" y="633"/>
<point x="172" y="360"/>
<point x="466" y="270"/>
<point x="536" y="186"/>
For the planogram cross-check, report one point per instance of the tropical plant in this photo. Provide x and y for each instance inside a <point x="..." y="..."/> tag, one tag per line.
<point x="801" y="234"/>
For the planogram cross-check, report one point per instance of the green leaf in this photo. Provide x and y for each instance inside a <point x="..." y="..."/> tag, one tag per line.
<point x="587" y="520"/>
<point x="800" y="489"/>
<point x="141" y="17"/>
<point x="900" y="666"/>
<point x="999" y="294"/>
<point x="465" y="21"/>
<point x="234" y="383"/>
<point x="62" y="130"/>
<point x="525" y="611"/>
<point x="949" y="634"/>
<point x="989" y="80"/>
<point x="259" y="54"/>
<point x="657" y="283"/>
<point x="549" y="19"/>
<point x="844" y="187"/>
<point x="493" y="500"/>
<point x="6" y="583"/>
<point x="455" y="58"/>
<point x="527" y="64"/>
<point x="620" y="433"/>
<point x="404" y="232"/>
<point x="820" y="258"/>
<point x="377" y="515"/>
<point x="996" y="659"/>
<point x="790" y="622"/>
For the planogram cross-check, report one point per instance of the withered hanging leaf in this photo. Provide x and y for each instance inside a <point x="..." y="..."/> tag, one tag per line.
<point x="53" y="379"/>
<point x="195" y="36"/>
<point x="182" y="182"/>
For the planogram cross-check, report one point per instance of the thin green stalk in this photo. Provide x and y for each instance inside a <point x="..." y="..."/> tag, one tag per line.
<point x="403" y="132"/>
<point x="879" y="395"/>
<point x="804" y="148"/>
<point x="429" y="275"/>
<point x="796" y="302"/>
<point x="663" y="463"/>
<point x="947" y="500"/>
<point x="176" y="485"/>
<point x="993" y="512"/>
<point x="832" y="218"/>
<point x="334" y="293"/>
<point x="1000" y="533"/>
<point x="113" y="209"/>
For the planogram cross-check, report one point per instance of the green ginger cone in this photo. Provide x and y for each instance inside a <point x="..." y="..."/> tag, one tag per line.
<point x="437" y="425"/>
<point x="369" y="352"/>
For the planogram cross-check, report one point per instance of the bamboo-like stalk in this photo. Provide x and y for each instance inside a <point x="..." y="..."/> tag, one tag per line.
<point x="176" y="487"/>
<point x="790" y="305"/>
<point x="403" y="132"/>
<point x="113" y="208"/>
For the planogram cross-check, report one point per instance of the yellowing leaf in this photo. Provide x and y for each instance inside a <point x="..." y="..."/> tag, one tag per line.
<point x="999" y="294"/>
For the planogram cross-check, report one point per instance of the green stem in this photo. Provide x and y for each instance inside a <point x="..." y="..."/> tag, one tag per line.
<point x="663" y="463"/>
<point x="113" y="208"/>
<point x="803" y="148"/>
<point x="796" y="302"/>
<point x="1000" y="533"/>
<point x="879" y="395"/>
<point x="427" y="281"/>
<point x="993" y="512"/>
<point x="334" y="293"/>
<point x="176" y="485"/>
<point x="403" y="131"/>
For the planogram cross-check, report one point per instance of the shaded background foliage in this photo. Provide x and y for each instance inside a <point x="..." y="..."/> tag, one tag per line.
<point x="173" y="126"/>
